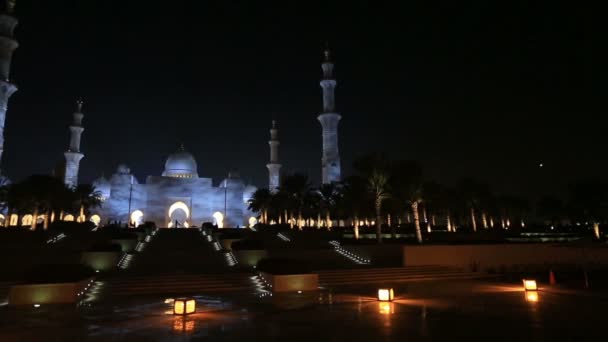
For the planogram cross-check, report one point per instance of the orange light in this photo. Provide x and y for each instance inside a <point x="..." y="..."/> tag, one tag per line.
<point x="530" y="285"/>
<point x="532" y="296"/>
<point x="386" y="308"/>
<point x="184" y="306"/>
<point x="386" y="295"/>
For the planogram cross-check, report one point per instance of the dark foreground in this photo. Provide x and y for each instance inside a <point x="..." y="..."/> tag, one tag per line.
<point x="455" y="311"/>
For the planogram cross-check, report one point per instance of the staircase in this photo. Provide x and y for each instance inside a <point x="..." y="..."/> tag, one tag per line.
<point x="393" y="275"/>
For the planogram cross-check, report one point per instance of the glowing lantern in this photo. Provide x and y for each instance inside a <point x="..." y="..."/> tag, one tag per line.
<point x="386" y="295"/>
<point x="184" y="306"/>
<point x="530" y="285"/>
<point x="532" y="296"/>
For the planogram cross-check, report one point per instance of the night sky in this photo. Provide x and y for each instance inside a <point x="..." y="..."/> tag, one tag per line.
<point x="481" y="90"/>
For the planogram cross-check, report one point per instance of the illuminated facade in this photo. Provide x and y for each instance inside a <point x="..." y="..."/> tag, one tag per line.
<point x="177" y="198"/>
<point x="8" y="44"/>
<point x="329" y="119"/>
<point x="274" y="167"/>
<point x="73" y="154"/>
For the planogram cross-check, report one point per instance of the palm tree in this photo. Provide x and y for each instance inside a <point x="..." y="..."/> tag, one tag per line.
<point x="589" y="202"/>
<point x="475" y="196"/>
<point x="328" y="194"/>
<point x="260" y="202"/>
<point x="378" y="187"/>
<point x="296" y="187"/>
<point x="38" y="193"/>
<point x="406" y="186"/>
<point x="86" y="198"/>
<point x="354" y="200"/>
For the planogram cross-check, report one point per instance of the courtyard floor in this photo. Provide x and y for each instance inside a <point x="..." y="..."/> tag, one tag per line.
<point x="455" y="311"/>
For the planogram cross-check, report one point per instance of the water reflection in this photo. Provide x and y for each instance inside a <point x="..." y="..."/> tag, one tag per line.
<point x="386" y="308"/>
<point x="532" y="296"/>
<point x="183" y="325"/>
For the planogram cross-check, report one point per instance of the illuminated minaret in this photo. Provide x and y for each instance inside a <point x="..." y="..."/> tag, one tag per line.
<point x="73" y="155"/>
<point x="274" y="167"/>
<point x="329" y="121"/>
<point x="7" y="46"/>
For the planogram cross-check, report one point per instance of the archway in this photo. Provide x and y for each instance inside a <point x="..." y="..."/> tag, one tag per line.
<point x="27" y="220"/>
<point x="219" y="219"/>
<point x="2" y="218"/>
<point x="252" y="221"/>
<point x="179" y="214"/>
<point x="14" y="220"/>
<point x="68" y="217"/>
<point x="137" y="217"/>
<point x="96" y="219"/>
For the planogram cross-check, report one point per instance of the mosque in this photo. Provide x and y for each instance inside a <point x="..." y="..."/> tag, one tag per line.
<point x="178" y="197"/>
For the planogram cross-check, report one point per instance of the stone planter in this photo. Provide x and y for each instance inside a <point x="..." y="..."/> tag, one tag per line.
<point x="50" y="293"/>
<point x="292" y="282"/>
<point x="250" y="257"/>
<point x="101" y="261"/>
<point x="227" y="243"/>
<point x="127" y="245"/>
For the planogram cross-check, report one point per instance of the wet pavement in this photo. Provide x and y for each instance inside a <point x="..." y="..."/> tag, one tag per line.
<point x="423" y="311"/>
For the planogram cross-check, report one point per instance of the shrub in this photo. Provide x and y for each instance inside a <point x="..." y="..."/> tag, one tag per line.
<point x="280" y="266"/>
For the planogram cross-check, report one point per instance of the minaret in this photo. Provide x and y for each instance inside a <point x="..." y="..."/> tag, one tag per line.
<point x="274" y="167"/>
<point x="7" y="46"/>
<point x="73" y="155"/>
<point x="329" y="121"/>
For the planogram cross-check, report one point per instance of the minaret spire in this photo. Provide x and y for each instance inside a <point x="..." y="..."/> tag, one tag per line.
<point x="330" y="162"/>
<point x="73" y="155"/>
<point x="8" y="44"/>
<point x="273" y="166"/>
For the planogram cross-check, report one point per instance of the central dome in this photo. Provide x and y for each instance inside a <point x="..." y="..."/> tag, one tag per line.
<point x="181" y="164"/>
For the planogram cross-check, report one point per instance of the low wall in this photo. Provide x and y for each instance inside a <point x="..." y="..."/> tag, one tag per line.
<point x="102" y="261"/>
<point x="250" y="257"/>
<point x="292" y="282"/>
<point x="55" y="293"/>
<point x="127" y="245"/>
<point x="503" y="256"/>
<point x="227" y="243"/>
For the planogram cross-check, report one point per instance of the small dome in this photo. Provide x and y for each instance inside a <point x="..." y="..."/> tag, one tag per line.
<point x="102" y="185"/>
<point x="123" y="169"/>
<point x="181" y="164"/>
<point x="248" y="193"/>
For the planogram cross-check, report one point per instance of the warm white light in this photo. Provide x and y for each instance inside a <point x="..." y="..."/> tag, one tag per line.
<point x="36" y="305"/>
<point x="184" y="306"/>
<point x="69" y="218"/>
<point x="95" y="219"/>
<point x="137" y="217"/>
<point x="530" y="285"/>
<point x="386" y="295"/>
<point x="219" y="219"/>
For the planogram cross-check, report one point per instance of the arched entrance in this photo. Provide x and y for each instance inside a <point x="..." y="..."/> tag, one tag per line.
<point x="179" y="215"/>
<point x="137" y="217"/>
<point x="219" y="219"/>
<point x="96" y="219"/>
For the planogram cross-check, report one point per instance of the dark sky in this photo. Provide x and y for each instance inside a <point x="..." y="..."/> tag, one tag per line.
<point x="481" y="89"/>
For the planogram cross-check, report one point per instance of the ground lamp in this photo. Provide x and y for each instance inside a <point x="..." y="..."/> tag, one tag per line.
<point x="530" y="285"/>
<point x="386" y="295"/>
<point x="184" y="306"/>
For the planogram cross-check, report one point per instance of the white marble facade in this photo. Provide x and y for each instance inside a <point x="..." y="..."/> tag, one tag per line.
<point x="179" y="197"/>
